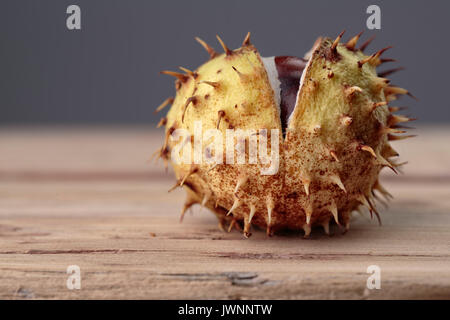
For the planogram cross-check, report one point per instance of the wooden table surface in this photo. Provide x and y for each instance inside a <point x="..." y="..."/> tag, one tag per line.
<point x="89" y="197"/>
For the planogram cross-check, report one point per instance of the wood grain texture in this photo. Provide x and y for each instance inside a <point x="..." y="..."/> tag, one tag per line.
<point x="89" y="197"/>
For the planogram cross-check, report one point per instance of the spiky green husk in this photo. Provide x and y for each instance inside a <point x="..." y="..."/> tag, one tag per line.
<point x="336" y="143"/>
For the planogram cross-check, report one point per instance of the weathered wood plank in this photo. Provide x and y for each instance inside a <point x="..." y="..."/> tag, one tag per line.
<point x="88" y="198"/>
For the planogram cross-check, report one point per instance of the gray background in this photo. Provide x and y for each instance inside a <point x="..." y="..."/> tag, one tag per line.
<point x="108" y="71"/>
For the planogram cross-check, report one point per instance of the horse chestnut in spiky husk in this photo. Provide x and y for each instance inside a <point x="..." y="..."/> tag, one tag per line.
<point x="332" y="111"/>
